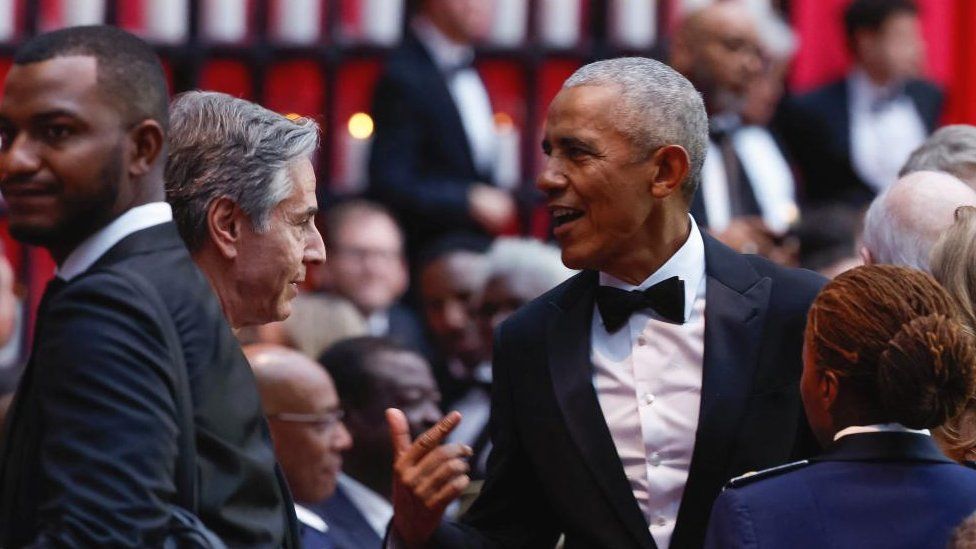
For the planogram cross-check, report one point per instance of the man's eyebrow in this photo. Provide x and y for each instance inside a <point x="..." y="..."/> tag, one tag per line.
<point x="575" y="142"/>
<point x="53" y="114"/>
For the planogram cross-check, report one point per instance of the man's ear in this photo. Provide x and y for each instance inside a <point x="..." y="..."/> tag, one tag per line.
<point x="670" y="165"/>
<point x="865" y="255"/>
<point x="148" y="140"/>
<point x="225" y="222"/>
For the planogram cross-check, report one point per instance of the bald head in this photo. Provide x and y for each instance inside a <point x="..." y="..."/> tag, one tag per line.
<point x="717" y="47"/>
<point x="904" y="222"/>
<point x="302" y="407"/>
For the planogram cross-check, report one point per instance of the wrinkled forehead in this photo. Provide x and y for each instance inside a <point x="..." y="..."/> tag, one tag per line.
<point x="587" y="111"/>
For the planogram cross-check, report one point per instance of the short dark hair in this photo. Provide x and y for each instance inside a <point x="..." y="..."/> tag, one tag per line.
<point x="872" y="14"/>
<point x="129" y="75"/>
<point x="348" y="362"/>
<point x="452" y="243"/>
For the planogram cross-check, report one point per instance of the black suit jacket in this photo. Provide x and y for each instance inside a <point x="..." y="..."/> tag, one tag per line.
<point x="870" y="490"/>
<point x="554" y="467"/>
<point x="93" y="439"/>
<point x="817" y="129"/>
<point x="421" y="165"/>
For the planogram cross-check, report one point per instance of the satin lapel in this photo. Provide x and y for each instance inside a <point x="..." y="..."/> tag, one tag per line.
<point x="735" y="310"/>
<point x="568" y="346"/>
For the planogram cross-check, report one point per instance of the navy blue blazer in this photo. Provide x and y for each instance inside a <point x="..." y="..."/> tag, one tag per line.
<point x="554" y="467"/>
<point x="314" y="539"/>
<point x="817" y="130"/>
<point x="420" y="165"/>
<point x="883" y="490"/>
<point x="347" y="526"/>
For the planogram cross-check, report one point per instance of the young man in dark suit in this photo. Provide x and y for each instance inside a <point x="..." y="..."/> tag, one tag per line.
<point x="626" y="397"/>
<point x="137" y="422"/>
<point x="851" y="137"/>
<point x="434" y="147"/>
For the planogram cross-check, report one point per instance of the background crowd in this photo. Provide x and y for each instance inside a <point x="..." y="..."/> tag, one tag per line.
<point x="432" y="231"/>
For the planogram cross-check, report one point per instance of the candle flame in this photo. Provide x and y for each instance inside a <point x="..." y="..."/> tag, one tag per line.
<point x="503" y="120"/>
<point x="361" y="125"/>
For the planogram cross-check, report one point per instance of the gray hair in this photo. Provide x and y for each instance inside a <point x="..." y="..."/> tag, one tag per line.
<point x="951" y="149"/>
<point x="529" y="265"/>
<point x="221" y="146"/>
<point x="904" y="222"/>
<point x="658" y="107"/>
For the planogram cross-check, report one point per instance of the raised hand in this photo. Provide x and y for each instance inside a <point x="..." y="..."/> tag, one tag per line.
<point x="427" y="476"/>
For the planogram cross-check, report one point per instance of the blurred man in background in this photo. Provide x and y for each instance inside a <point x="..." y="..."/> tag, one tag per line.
<point x="242" y="187"/>
<point x="747" y="195"/>
<point x="367" y="267"/>
<point x="435" y="147"/>
<point x="851" y="137"/>
<point x="371" y="375"/>
<point x="303" y="411"/>
<point x="452" y="276"/>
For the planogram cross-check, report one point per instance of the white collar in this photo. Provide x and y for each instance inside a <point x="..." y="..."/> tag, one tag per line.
<point x="92" y="248"/>
<point x="375" y="508"/>
<point x="865" y="92"/>
<point x="879" y="428"/>
<point x="688" y="264"/>
<point x="310" y="519"/>
<point x="446" y="53"/>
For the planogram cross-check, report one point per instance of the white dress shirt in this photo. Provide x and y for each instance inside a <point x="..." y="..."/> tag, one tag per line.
<point x="648" y="379"/>
<point x="885" y="129"/>
<point x="878" y="428"/>
<point x="374" y="507"/>
<point x="92" y="248"/>
<point x="310" y="519"/>
<point x="466" y="88"/>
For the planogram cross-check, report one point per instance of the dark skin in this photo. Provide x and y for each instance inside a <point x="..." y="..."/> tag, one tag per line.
<point x="629" y="216"/>
<point x="70" y="161"/>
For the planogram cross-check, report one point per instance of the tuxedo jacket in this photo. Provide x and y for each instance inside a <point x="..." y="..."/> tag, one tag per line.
<point x="347" y="526"/>
<point x="554" y="467"/>
<point x="421" y="165"/>
<point x="869" y="490"/>
<point x="817" y="129"/>
<point x="93" y="439"/>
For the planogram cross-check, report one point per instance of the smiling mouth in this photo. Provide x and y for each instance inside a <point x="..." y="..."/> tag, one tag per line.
<point x="562" y="216"/>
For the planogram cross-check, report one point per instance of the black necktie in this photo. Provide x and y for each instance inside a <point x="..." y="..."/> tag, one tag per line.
<point x="667" y="298"/>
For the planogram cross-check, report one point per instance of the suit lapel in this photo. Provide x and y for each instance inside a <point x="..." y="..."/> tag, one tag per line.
<point x="568" y="344"/>
<point x="735" y="308"/>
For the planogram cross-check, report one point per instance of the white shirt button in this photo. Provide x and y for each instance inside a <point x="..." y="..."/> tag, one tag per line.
<point x="654" y="459"/>
<point x="648" y="399"/>
<point x="641" y="340"/>
<point x="660" y="522"/>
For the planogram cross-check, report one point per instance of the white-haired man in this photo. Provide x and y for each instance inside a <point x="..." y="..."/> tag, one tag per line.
<point x="904" y="221"/>
<point x="624" y="398"/>
<point x="242" y="187"/>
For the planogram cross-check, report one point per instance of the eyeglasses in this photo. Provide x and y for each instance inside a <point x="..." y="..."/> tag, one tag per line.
<point x="320" y="422"/>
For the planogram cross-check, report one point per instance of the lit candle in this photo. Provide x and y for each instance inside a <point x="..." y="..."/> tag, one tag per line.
<point x="508" y="165"/>
<point x="8" y="28"/>
<point x="82" y="12"/>
<point x="508" y="23"/>
<point x="634" y="23"/>
<point x="560" y="23"/>
<point x="355" y="142"/>
<point x="298" y="21"/>
<point x="382" y="21"/>
<point x="166" y="20"/>
<point x="225" y="20"/>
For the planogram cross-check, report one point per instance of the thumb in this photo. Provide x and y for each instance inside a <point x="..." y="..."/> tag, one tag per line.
<point x="399" y="431"/>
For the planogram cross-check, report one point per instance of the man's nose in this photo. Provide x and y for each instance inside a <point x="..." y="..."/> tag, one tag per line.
<point x="314" y="248"/>
<point x="551" y="178"/>
<point x="18" y="157"/>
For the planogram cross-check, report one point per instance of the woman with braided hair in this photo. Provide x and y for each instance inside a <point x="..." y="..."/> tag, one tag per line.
<point x="886" y="359"/>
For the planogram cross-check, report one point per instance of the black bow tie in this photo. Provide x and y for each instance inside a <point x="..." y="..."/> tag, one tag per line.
<point x="667" y="298"/>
